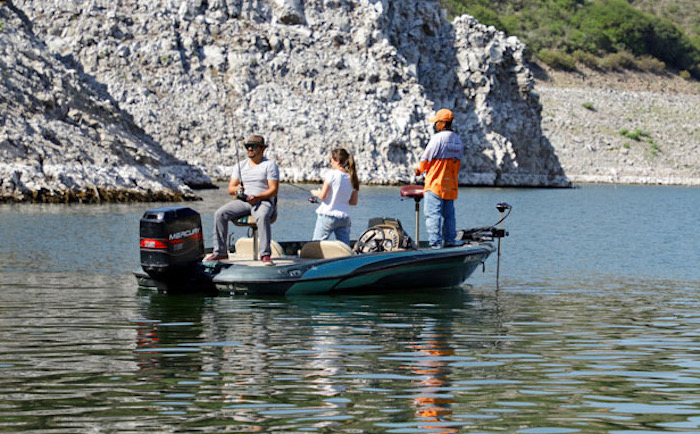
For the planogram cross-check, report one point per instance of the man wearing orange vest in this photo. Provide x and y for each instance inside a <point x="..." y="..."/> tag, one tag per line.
<point x="440" y="162"/>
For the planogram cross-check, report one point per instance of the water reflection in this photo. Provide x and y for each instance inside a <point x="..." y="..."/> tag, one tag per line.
<point x="464" y="360"/>
<point x="303" y="361"/>
<point x="167" y="332"/>
<point x="433" y="400"/>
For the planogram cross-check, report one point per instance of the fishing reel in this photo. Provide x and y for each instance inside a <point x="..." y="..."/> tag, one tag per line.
<point x="240" y="194"/>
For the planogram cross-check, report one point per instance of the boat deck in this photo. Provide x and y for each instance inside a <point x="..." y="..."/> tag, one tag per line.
<point x="248" y="261"/>
<point x="287" y="253"/>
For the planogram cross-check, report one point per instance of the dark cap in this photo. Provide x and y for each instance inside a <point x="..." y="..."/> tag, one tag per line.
<point x="255" y="140"/>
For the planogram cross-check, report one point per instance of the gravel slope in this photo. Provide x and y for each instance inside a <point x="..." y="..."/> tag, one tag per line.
<point x="584" y="114"/>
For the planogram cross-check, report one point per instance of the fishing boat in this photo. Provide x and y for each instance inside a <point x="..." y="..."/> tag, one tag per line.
<point x="384" y="258"/>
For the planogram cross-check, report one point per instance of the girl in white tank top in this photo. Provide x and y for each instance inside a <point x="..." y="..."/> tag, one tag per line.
<point x="340" y="190"/>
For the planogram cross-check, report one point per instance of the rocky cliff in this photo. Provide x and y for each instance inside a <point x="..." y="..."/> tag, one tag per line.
<point x="63" y="138"/>
<point x="184" y="82"/>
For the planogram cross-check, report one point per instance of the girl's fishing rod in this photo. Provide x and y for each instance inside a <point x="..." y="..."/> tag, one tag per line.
<point x="312" y="198"/>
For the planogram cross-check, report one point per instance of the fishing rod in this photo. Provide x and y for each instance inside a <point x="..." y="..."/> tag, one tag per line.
<point x="241" y="191"/>
<point x="312" y="198"/>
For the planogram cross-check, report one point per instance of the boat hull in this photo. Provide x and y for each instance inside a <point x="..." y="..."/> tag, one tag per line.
<point x="371" y="272"/>
<point x="386" y="271"/>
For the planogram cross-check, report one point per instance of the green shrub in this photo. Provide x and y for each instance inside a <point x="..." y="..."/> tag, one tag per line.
<point x="654" y="148"/>
<point x="486" y="16"/>
<point x="651" y="64"/>
<point x="672" y="9"/>
<point x="635" y="135"/>
<point x="557" y="60"/>
<point x="670" y="45"/>
<point x="588" y="59"/>
<point x="684" y="74"/>
<point x="611" y="25"/>
<point x="588" y="106"/>
<point x="511" y="25"/>
<point x="453" y="8"/>
<point x="618" y="62"/>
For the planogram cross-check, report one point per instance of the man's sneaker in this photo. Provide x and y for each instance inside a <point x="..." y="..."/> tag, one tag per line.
<point x="266" y="260"/>
<point x="214" y="257"/>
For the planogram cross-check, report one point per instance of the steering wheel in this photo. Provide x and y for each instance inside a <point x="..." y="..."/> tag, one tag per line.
<point x="371" y="240"/>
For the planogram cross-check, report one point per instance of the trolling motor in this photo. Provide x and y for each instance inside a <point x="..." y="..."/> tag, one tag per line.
<point x="489" y="233"/>
<point x="500" y="233"/>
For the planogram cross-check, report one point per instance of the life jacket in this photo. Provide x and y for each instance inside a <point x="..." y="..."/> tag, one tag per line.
<point x="441" y="162"/>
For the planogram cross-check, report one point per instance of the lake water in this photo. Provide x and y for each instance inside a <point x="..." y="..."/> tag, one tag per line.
<point x="594" y="328"/>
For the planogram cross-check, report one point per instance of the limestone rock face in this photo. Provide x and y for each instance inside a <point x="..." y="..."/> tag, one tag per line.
<point x="63" y="139"/>
<point x="197" y="77"/>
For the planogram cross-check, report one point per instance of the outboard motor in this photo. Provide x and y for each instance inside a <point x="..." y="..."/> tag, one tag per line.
<point x="171" y="243"/>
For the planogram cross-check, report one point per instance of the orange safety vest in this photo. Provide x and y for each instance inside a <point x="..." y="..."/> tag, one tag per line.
<point x="441" y="161"/>
<point x="442" y="177"/>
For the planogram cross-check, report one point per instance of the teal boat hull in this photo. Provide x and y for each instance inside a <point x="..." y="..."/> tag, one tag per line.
<point x="363" y="273"/>
<point x="371" y="272"/>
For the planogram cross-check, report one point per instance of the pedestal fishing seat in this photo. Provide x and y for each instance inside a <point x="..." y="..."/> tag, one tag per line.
<point x="245" y="248"/>
<point x="249" y="222"/>
<point x="414" y="192"/>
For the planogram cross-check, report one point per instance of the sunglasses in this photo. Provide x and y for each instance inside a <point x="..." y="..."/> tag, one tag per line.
<point x="249" y="147"/>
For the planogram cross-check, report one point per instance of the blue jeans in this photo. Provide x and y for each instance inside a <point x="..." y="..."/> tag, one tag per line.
<point x="326" y="225"/>
<point x="439" y="220"/>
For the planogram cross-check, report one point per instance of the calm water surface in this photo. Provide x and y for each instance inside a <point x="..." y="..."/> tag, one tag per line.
<point x="595" y="327"/>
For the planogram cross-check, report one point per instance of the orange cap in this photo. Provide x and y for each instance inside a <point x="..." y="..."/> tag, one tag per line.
<point x="443" y="115"/>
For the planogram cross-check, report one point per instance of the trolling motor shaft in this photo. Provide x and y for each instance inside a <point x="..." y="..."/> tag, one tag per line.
<point x="499" y="233"/>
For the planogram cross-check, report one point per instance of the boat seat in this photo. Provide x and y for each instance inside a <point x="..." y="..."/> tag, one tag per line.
<point x="246" y="247"/>
<point x="325" y="249"/>
<point x="415" y="192"/>
<point x="249" y="222"/>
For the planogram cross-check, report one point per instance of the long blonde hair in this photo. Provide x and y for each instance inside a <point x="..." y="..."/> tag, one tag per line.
<point x="346" y="160"/>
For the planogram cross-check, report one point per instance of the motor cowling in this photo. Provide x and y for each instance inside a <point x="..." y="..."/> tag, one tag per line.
<point x="171" y="242"/>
